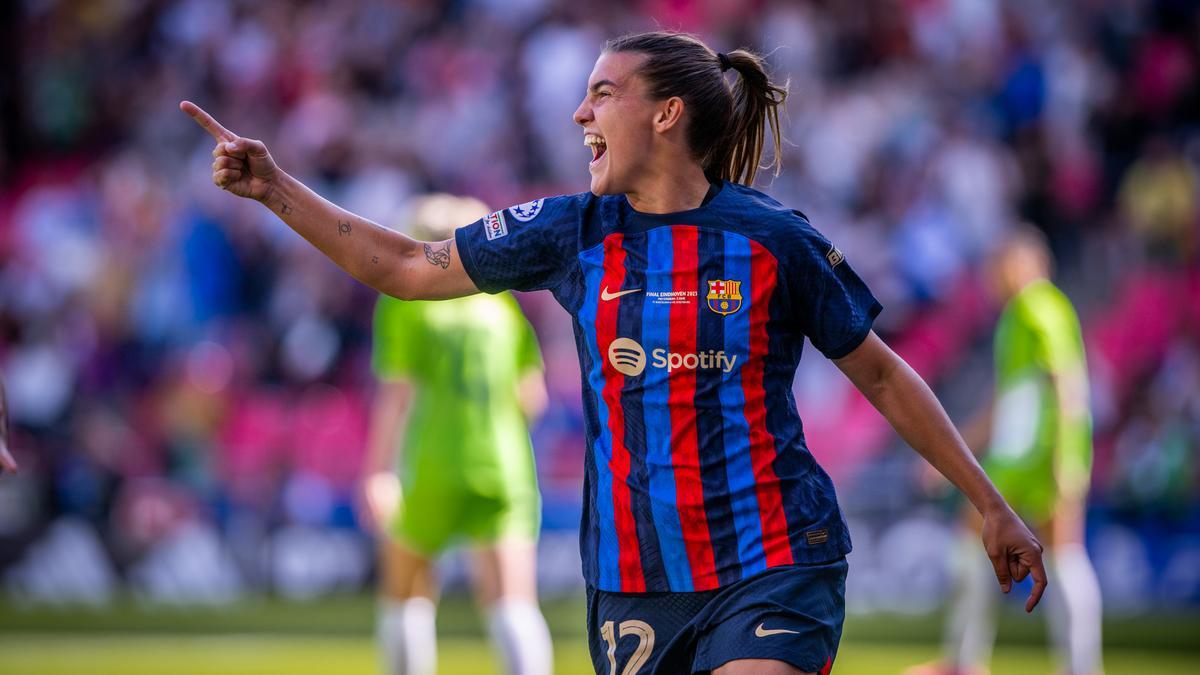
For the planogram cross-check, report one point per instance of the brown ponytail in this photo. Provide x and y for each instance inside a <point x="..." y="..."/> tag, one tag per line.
<point x="756" y="102"/>
<point x="726" y="125"/>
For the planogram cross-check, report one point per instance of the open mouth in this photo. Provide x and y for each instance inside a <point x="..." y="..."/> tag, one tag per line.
<point x="597" y="144"/>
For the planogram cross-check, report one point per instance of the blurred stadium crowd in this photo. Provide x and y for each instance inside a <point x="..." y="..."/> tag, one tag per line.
<point x="189" y="381"/>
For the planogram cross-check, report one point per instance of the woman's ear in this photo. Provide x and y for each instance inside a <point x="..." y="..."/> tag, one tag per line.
<point x="668" y="115"/>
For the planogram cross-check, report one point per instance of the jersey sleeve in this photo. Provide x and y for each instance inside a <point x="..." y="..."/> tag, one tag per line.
<point x="1059" y="346"/>
<point x="526" y="247"/>
<point x="831" y="304"/>
<point x="396" y="337"/>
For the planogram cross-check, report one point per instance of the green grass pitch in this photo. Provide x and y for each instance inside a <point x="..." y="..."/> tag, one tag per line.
<point x="333" y="636"/>
<point x="142" y="654"/>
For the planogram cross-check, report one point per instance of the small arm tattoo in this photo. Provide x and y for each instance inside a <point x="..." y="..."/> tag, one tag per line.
<point x="284" y="208"/>
<point x="374" y="260"/>
<point x="343" y="228"/>
<point x="438" y="256"/>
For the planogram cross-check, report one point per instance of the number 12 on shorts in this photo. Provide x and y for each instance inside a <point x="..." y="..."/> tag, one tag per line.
<point x="645" y="636"/>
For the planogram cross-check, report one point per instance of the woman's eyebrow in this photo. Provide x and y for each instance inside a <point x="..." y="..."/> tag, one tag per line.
<point x="602" y="83"/>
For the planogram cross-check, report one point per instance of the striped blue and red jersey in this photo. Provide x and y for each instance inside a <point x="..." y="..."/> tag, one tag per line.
<point x="689" y="328"/>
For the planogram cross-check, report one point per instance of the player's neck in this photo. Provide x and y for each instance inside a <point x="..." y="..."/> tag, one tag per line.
<point x="1019" y="286"/>
<point x="671" y="191"/>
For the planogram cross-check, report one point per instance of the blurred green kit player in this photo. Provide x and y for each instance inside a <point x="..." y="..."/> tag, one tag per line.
<point x="1038" y="440"/>
<point x="468" y="375"/>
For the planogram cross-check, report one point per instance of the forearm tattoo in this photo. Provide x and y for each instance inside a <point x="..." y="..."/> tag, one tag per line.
<point x="438" y="256"/>
<point x="343" y="228"/>
<point x="284" y="208"/>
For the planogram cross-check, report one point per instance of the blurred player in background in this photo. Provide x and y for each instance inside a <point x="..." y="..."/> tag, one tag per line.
<point x="1038" y="440"/>
<point x="450" y="458"/>
<point x="7" y="463"/>
<point x="711" y="539"/>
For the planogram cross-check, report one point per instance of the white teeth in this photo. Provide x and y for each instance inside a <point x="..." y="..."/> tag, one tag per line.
<point x="597" y="144"/>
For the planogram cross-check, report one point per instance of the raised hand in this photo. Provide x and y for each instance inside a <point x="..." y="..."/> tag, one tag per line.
<point x="1015" y="553"/>
<point x="387" y="261"/>
<point x="241" y="166"/>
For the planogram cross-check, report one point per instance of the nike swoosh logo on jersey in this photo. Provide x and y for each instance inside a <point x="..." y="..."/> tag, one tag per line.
<point x="605" y="295"/>
<point x="763" y="632"/>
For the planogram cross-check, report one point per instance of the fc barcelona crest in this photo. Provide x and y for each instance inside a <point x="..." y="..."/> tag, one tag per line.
<point x="724" y="296"/>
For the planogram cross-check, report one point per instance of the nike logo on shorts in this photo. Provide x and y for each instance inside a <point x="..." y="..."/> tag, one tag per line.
<point x="605" y="295"/>
<point x="763" y="632"/>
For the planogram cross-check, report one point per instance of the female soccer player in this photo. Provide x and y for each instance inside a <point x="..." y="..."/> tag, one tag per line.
<point x="459" y="382"/>
<point x="711" y="539"/>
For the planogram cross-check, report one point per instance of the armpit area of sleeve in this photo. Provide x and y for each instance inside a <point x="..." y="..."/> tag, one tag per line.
<point x="462" y="240"/>
<point x="860" y="333"/>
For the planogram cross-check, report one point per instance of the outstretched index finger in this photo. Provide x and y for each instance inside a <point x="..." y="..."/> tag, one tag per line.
<point x="205" y="120"/>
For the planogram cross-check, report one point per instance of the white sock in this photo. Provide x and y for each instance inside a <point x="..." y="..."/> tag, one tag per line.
<point x="1075" y="612"/>
<point x="407" y="636"/>
<point x="971" y="622"/>
<point x="519" y="632"/>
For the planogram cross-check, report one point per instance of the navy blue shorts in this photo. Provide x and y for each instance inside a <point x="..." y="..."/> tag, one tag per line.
<point x="791" y="614"/>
